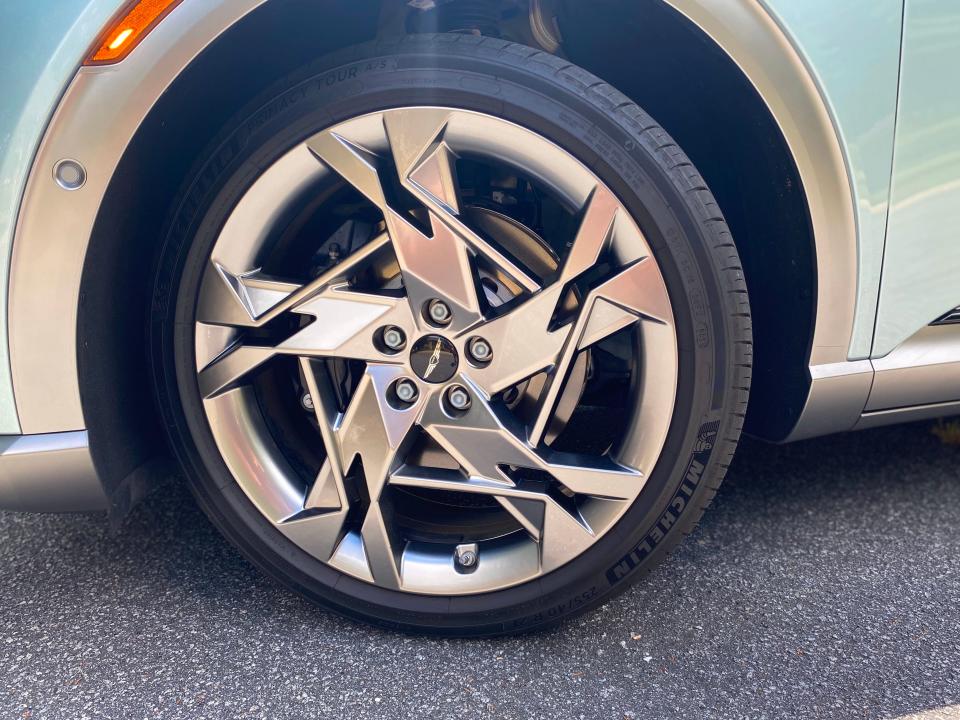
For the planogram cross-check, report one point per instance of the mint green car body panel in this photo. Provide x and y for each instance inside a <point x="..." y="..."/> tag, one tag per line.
<point x="853" y="50"/>
<point x="41" y="45"/>
<point x="921" y="271"/>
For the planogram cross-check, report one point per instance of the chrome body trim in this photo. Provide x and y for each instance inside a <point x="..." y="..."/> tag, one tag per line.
<point x="838" y="394"/>
<point x="907" y="414"/>
<point x="925" y="370"/>
<point x="918" y="380"/>
<point x="49" y="473"/>
<point x="97" y="118"/>
<point x="951" y="318"/>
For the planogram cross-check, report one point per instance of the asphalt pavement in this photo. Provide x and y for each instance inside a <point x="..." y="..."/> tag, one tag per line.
<point x="823" y="583"/>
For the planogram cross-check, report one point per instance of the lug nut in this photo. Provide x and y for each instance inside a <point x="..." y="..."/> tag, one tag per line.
<point x="306" y="401"/>
<point x="458" y="398"/>
<point x="467" y="555"/>
<point x="393" y="337"/>
<point x="406" y="390"/>
<point x="480" y="350"/>
<point x="439" y="312"/>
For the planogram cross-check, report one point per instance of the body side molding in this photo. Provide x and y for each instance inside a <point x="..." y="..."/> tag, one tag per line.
<point x="920" y="379"/>
<point x="925" y="370"/>
<point x="49" y="473"/>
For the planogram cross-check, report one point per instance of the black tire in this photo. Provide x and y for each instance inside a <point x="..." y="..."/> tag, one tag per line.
<point x="633" y="156"/>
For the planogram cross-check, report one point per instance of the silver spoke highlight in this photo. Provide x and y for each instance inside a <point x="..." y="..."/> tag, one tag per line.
<point x="251" y="299"/>
<point x="484" y="445"/>
<point x="375" y="432"/>
<point x="485" y="441"/>
<point x="540" y="348"/>
<point x="433" y="266"/>
<point x="344" y="326"/>
<point x="439" y="265"/>
<point x="426" y="166"/>
<point x="634" y="294"/>
<point x="319" y="528"/>
<point x="354" y="163"/>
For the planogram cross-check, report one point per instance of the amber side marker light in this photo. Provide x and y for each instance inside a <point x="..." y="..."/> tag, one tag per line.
<point x="123" y="35"/>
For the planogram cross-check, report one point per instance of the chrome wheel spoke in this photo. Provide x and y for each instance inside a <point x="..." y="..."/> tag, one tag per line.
<point x="345" y="326"/>
<point x="228" y="369"/>
<point x="541" y="346"/>
<point x="593" y="235"/>
<point x="494" y="456"/>
<point x="435" y="265"/>
<point x="350" y="159"/>
<point x="632" y="295"/>
<point x="426" y="166"/>
<point x="319" y="527"/>
<point x="382" y="547"/>
<point x="439" y="265"/>
<point x="241" y="300"/>
<point x="515" y="360"/>
<point x="487" y="443"/>
<point x="374" y="432"/>
<point x="251" y="299"/>
<point x="560" y="534"/>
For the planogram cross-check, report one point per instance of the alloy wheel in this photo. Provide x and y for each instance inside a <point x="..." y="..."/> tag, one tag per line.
<point x="464" y="394"/>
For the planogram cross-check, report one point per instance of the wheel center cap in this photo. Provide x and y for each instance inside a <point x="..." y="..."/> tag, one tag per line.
<point x="434" y="358"/>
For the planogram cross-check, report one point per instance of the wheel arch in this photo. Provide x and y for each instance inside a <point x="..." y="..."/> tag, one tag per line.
<point x="761" y="133"/>
<point x="73" y="369"/>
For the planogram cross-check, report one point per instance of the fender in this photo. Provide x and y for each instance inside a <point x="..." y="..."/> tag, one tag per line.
<point x="97" y="117"/>
<point x="103" y="107"/>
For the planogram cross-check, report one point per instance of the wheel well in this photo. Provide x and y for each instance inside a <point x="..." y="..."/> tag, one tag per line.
<point x="700" y="97"/>
<point x="127" y="442"/>
<point x="719" y="119"/>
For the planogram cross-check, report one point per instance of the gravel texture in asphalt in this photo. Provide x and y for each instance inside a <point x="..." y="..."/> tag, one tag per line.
<point x="824" y="583"/>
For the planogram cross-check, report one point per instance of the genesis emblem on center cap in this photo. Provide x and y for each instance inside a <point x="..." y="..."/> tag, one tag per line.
<point x="434" y="359"/>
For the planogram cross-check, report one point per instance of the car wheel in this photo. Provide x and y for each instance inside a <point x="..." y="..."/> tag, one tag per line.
<point x="450" y="336"/>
